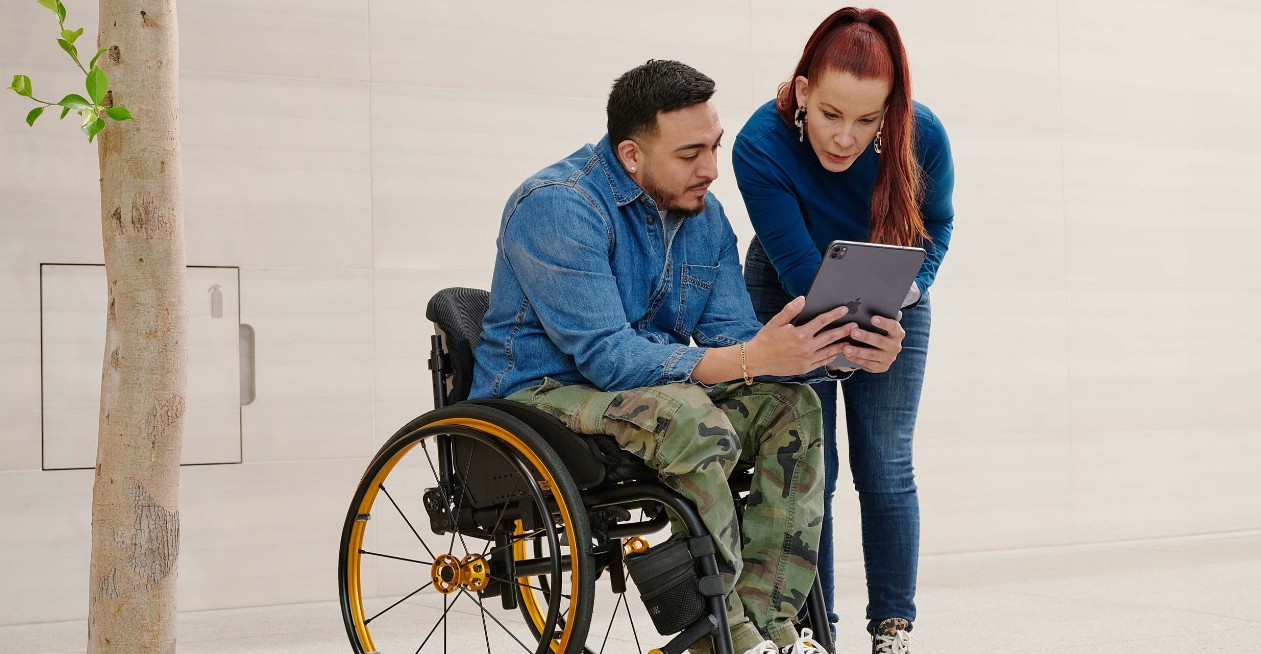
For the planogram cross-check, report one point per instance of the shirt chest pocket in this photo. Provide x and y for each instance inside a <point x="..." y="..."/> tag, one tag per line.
<point x="695" y="284"/>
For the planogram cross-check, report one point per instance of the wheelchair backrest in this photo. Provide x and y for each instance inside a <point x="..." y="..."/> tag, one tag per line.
<point x="457" y="315"/>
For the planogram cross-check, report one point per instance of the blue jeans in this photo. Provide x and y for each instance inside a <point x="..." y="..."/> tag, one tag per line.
<point x="880" y="411"/>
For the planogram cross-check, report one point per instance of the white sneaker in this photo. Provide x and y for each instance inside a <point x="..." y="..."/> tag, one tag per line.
<point x="764" y="647"/>
<point x="805" y="645"/>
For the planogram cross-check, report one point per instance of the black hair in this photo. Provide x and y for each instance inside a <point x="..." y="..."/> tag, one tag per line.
<point x="658" y="85"/>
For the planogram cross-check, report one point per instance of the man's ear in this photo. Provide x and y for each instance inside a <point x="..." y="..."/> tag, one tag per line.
<point x="631" y="155"/>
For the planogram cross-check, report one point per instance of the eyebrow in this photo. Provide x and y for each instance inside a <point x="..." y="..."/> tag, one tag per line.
<point x="838" y="111"/>
<point x="693" y="146"/>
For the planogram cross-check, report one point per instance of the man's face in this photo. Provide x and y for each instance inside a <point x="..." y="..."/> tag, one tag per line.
<point x="678" y="163"/>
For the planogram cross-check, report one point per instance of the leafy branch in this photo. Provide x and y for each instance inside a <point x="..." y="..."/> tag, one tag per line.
<point x="97" y="84"/>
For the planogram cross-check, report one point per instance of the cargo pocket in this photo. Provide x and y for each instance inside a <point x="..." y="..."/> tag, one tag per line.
<point x="638" y="419"/>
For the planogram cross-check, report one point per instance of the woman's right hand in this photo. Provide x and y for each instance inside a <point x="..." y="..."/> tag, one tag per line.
<point x="782" y="349"/>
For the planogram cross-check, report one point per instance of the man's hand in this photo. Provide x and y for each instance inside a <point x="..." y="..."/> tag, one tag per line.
<point x="781" y="349"/>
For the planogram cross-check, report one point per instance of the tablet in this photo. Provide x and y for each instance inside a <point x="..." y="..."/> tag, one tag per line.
<point x="870" y="279"/>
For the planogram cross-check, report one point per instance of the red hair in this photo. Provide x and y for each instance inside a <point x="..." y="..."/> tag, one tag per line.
<point x="865" y="43"/>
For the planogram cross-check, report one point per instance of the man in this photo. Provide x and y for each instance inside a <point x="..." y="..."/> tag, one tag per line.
<point x="610" y="263"/>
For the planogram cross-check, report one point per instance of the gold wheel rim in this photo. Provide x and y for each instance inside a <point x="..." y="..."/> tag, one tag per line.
<point x="354" y="558"/>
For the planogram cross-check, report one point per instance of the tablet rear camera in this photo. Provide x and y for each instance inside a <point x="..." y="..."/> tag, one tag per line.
<point x="838" y="252"/>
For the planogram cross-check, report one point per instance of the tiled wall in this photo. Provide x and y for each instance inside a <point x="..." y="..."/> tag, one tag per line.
<point x="1093" y="370"/>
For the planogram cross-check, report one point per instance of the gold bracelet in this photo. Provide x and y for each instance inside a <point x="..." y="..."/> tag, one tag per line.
<point x="744" y="366"/>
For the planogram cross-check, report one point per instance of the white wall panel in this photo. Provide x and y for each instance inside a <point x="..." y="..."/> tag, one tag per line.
<point x="44" y="564"/>
<point x="73" y="300"/>
<point x="51" y="210"/>
<point x="554" y="47"/>
<point x="312" y="39"/>
<point x="1009" y="207"/>
<point x="19" y="359"/>
<point x="404" y="387"/>
<point x="445" y="162"/>
<point x="276" y="171"/>
<point x="262" y="533"/>
<point x="313" y="359"/>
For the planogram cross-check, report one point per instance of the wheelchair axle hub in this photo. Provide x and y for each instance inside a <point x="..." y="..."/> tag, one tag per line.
<point x="450" y="573"/>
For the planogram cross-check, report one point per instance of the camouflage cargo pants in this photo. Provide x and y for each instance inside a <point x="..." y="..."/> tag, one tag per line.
<point x="693" y="436"/>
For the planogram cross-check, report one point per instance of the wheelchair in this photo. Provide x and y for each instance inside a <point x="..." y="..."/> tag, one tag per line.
<point x="487" y="524"/>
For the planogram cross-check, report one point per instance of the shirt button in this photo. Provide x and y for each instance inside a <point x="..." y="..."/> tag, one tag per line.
<point x="652" y="220"/>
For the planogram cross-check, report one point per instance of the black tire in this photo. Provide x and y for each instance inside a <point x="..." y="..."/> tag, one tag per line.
<point x="467" y="563"/>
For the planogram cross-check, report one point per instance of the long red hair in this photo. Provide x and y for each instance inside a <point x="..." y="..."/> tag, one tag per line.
<point x="865" y="43"/>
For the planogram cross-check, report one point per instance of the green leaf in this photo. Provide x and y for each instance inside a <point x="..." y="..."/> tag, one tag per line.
<point x="119" y="113"/>
<point x="50" y="5"/>
<point x="63" y="113"/>
<point x="97" y="84"/>
<point x="30" y="118"/>
<point x="76" y="102"/>
<point x="69" y="48"/>
<point x="61" y="12"/>
<point x="21" y="85"/>
<point x="94" y="129"/>
<point x="71" y="36"/>
<point x="98" y="56"/>
<point x="89" y="117"/>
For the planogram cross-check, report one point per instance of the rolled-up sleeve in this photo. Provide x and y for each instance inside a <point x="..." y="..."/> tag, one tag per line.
<point x="558" y="243"/>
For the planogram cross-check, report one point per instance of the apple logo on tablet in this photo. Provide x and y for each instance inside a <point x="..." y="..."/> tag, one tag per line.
<point x="853" y="305"/>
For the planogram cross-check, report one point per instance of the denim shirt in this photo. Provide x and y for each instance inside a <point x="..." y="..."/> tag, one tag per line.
<point x="590" y="287"/>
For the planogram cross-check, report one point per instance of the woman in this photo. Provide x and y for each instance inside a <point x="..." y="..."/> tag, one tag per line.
<point x="843" y="153"/>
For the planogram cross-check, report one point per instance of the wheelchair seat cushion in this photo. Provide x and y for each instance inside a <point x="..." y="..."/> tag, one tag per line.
<point x="591" y="460"/>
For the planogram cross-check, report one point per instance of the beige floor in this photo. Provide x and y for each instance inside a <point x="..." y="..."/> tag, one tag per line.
<point x="1180" y="595"/>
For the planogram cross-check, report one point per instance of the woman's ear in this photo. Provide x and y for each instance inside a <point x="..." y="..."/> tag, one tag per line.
<point x="801" y="86"/>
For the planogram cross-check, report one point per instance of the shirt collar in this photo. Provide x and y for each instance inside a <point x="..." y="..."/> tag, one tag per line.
<point x="625" y="190"/>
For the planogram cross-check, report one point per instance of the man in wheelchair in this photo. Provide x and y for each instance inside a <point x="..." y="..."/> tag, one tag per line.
<point x="610" y="263"/>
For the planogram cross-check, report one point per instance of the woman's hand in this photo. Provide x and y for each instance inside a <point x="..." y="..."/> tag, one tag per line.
<point x="884" y="349"/>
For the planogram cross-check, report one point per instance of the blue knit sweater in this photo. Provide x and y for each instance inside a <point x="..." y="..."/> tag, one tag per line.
<point x="797" y="207"/>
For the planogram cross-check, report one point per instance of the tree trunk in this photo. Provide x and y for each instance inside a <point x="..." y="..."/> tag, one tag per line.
<point x="135" y="498"/>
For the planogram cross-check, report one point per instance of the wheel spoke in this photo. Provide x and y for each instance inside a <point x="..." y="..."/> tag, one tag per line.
<point x="524" y="585"/>
<point x="612" y="619"/>
<point x="501" y="625"/>
<point x="409" y="595"/>
<point x="396" y="558"/>
<point x="485" y="629"/>
<point x="409" y="522"/>
<point x="634" y="631"/>
<point x="517" y="538"/>
<point x="442" y="620"/>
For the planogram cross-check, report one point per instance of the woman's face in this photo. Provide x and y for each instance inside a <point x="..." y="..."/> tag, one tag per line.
<point x="843" y="114"/>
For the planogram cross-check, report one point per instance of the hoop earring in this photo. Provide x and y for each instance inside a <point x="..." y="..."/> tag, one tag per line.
<point x="799" y="119"/>
<point x="878" y="143"/>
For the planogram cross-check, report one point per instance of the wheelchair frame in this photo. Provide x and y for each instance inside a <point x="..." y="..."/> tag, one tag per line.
<point x="506" y="505"/>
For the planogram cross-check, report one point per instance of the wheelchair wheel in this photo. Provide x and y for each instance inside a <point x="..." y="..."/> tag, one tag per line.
<point x="456" y="519"/>
<point x="619" y="621"/>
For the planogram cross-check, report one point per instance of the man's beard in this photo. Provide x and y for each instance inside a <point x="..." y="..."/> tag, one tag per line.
<point x="669" y="201"/>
